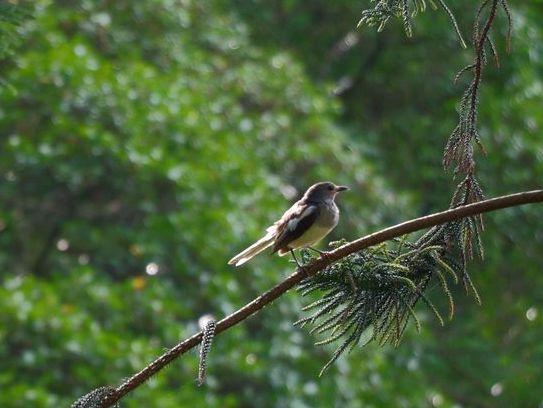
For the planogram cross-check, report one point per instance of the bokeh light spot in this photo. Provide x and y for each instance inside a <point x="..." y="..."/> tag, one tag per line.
<point x="496" y="390"/>
<point x="531" y="314"/>
<point x="63" y="245"/>
<point x="250" y="359"/>
<point x="437" y="400"/>
<point x="152" y="268"/>
<point x="83" y="259"/>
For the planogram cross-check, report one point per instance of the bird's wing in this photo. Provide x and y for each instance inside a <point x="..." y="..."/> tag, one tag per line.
<point x="294" y="223"/>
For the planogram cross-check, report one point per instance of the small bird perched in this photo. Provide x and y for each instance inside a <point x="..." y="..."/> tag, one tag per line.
<point x="308" y="221"/>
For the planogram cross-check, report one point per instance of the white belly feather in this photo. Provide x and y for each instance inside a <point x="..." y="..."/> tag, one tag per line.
<point x="314" y="234"/>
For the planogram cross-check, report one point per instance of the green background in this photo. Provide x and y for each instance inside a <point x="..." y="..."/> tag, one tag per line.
<point x="172" y="132"/>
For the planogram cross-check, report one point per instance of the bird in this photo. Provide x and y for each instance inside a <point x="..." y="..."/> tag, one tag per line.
<point x="305" y="223"/>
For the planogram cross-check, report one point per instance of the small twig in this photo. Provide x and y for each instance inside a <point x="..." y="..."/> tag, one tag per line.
<point x="479" y="61"/>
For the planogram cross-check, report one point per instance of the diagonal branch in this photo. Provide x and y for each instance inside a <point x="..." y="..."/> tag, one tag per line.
<point x="267" y="297"/>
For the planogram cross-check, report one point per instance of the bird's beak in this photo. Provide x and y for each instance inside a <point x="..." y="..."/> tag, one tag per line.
<point x="341" y="188"/>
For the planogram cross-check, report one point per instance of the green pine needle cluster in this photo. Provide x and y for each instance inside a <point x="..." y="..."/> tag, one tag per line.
<point x="371" y="295"/>
<point x="469" y="229"/>
<point x="205" y="348"/>
<point x="405" y="10"/>
<point x="95" y="398"/>
<point x="459" y="148"/>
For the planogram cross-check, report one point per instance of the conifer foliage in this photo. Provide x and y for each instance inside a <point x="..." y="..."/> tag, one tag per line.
<point x="406" y="10"/>
<point x="371" y="295"/>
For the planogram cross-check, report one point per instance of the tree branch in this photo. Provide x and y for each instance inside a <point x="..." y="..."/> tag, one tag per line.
<point x="267" y="297"/>
<point x="479" y="62"/>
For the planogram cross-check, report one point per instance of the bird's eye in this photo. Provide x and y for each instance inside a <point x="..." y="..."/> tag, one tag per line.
<point x="330" y="187"/>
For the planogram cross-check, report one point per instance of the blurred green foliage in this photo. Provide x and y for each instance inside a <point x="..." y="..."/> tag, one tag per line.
<point x="12" y="16"/>
<point x="143" y="143"/>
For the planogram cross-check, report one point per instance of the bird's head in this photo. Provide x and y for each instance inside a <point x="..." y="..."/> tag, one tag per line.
<point x="323" y="191"/>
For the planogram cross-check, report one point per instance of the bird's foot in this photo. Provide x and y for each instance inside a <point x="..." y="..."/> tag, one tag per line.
<point x="323" y="254"/>
<point x="296" y="259"/>
<point x="301" y="268"/>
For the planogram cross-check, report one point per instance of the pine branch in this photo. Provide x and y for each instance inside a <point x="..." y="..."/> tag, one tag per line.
<point x="208" y="330"/>
<point x="387" y="234"/>
<point x="404" y="10"/>
<point x="459" y="148"/>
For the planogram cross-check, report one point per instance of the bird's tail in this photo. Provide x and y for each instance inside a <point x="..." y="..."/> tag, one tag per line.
<point x="255" y="249"/>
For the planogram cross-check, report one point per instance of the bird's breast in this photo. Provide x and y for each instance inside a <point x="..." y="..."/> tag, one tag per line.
<point x="328" y="216"/>
<point x="313" y="234"/>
